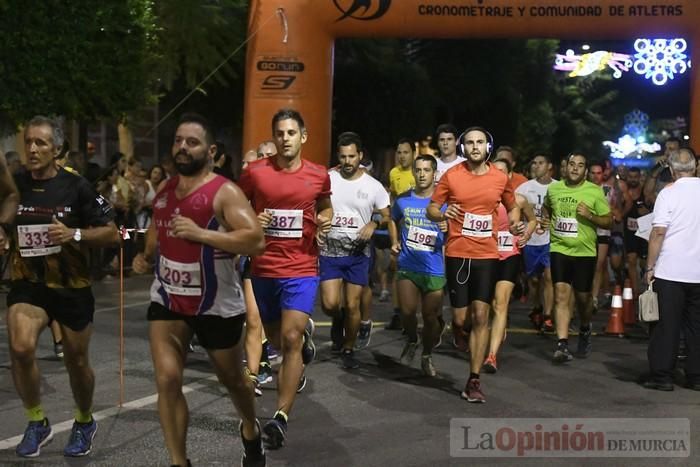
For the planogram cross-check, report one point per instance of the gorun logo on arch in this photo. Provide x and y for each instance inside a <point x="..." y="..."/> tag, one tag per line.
<point x="363" y="10"/>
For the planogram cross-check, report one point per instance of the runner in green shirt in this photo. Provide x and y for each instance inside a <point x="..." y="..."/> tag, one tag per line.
<point x="573" y="208"/>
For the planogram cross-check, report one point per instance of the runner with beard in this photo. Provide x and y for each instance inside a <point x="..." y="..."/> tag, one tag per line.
<point x="573" y="209"/>
<point x="201" y="221"/>
<point x="345" y="255"/>
<point x="472" y="191"/>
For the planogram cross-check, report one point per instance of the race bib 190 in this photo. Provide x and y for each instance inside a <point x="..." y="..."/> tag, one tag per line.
<point x="566" y="227"/>
<point x="285" y="223"/>
<point x="34" y="241"/>
<point x="421" y="239"/>
<point x="476" y="225"/>
<point x="180" y="278"/>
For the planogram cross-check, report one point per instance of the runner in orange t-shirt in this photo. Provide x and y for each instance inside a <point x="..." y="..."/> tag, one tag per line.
<point x="472" y="191"/>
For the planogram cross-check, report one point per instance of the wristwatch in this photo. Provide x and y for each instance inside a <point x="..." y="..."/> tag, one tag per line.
<point x="77" y="235"/>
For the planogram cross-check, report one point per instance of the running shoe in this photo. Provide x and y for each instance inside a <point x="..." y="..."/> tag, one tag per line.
<point x="562" y="354"/>
<point x="583" y="349"/>
<point x="276" y="432"/>
<point x="58" y="349"/>
<point x="364" y="335"/>
<point x="384" y="296"/>
<point x="426" y="364"/>
<point x="302" y="384"/>
<point x="349" y="362"/>
<point x="81" y="436"/>
<point x="536" y="317"/>
<point x="36" y="436"/>
<point x="253" y="450"/>
<point x="337" y="331"/>
<point x="460" y="338"/>
<point x="490" y="364"/>
<point x="408" y="353"/>
<point x="272" y="354"/>
<point x="265" y="373"/>
<point x="308" y="351"/>
<point x="254" y="380"/>
<point x="394" y="324"/>
<point x="547" y="325"/>
<point x="443" y="328"/>
<point x="472" y="391"/>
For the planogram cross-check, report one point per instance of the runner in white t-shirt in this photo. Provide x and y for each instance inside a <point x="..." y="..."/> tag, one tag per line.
<point x="536" y="252"/>
<point x="446" y="136"/>
<point x="345" y="255"/>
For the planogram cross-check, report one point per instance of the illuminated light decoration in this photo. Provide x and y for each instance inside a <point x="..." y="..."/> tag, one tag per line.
<point x="636" y="124"/>
<point x="586" y="64"/>
<point x="660" y="59"/>
<point x="628" y="146"/>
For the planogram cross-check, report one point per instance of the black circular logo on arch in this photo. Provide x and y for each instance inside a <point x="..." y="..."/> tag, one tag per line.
<point x="363" y="10"/>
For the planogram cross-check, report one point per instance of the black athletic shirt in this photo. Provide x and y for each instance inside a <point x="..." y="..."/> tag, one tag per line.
<point x="76" y="204"/>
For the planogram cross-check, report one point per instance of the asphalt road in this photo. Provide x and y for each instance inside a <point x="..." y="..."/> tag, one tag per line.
<point x="382" y="414"/>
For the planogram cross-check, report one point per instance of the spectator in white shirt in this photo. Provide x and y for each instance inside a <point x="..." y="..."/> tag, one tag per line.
<point x="674" y="264"/>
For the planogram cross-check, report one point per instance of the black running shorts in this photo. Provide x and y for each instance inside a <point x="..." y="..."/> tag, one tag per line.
<point x="470" y="279"/>
<point x="508" y="269"/>
<point x="578" y="271"/>
<point x="73" y="308"/>
<point x="213" y="332"/>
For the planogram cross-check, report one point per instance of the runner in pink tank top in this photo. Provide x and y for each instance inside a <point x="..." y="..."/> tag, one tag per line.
<point x="509" y="257"/>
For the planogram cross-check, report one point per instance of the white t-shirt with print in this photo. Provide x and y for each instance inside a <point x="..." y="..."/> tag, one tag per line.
<point x="535" y="193"/>
<point x="353" y="203"/>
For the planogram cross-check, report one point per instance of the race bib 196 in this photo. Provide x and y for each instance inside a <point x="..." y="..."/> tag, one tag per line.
<point x="34" y="241"/>
<point x="180" y="278"/>
<point x="285" y="223"/>
<point x="346" y="222"/>
<point x="421" y="239"/>
<point x="505" y="242"/>
<point x="632" y="224"/>
<point x="566" y="227"/>
<point x="476" y="225"/>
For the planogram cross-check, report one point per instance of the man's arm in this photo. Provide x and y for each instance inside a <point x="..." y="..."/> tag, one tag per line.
<point x="244" y="234"/>
<point x="8" y="194"/>
<point x="603" y="221"/>
<point x="100" y="236"/>
<point x="651" y="181"/>
<point x="141" y="263"/>
<point x="9" y="203"/>
<point x="366" y="232"/>
<point x="529" y="214"/>
<point x="656" y="239"/>
<point x="324" y="214"/>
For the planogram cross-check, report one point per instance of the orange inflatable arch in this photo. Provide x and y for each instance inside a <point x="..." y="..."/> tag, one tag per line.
<point x="290" y="56"/>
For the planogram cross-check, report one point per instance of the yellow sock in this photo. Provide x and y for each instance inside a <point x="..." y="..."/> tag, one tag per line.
<point x="35" y="414"/>
<point x="284" y="415"/>
<point x="83" y="417"/>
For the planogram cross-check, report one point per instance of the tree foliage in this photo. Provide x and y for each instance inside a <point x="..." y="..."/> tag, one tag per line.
<point x="197" y="36"/>
<point x="81" y="59"/>
<point x="411" y="86"/>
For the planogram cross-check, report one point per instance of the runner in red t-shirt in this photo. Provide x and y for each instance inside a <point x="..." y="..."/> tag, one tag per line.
<point x="472" y="190"/>
<point x="292" y="199"/>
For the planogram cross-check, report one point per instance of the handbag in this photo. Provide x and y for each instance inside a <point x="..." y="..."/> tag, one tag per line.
<point x="648" y="305"/>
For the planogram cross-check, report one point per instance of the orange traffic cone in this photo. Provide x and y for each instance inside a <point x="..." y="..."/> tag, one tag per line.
<point x="616" y="324"/>
<point x="628" y="313"/>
